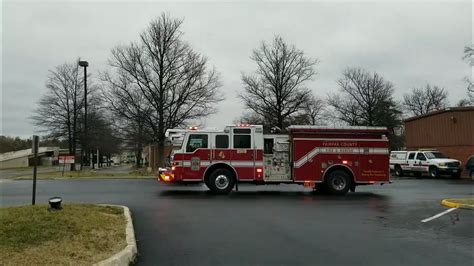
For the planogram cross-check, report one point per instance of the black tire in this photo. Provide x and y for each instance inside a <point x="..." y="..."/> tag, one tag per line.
<point x="398" y="170"/>
<point x="434" y="172"/>
<point x="338" y="182"/>
<point x="221" y="181"/>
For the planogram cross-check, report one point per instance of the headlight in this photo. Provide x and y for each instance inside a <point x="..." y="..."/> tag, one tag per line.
<point x="442" y="164"/>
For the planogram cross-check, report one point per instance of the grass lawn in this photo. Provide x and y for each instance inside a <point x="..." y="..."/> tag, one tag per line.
<point x="78" y="234"/>
<point x="85" y="174"/>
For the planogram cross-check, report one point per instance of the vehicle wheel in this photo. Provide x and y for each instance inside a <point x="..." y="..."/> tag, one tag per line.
<point x="338" y="182"/>
<point x="221" y="181"/>
<point x="398" y="170"/>
<point x="434" y="172"/>
<point x="456" y="175"/>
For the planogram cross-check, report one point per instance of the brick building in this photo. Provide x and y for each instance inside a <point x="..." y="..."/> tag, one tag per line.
<point x="450" y="131"/>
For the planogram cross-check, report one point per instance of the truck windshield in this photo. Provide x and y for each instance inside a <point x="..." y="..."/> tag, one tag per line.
<point x="435" y="155"/>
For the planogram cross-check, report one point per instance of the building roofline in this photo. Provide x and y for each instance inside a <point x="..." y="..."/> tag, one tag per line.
<point x="446" y="110"/>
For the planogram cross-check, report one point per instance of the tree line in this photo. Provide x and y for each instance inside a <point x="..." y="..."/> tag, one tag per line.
<point x="160" y="82"/>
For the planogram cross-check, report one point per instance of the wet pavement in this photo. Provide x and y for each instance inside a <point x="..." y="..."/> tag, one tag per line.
<point x="280" y="224"/>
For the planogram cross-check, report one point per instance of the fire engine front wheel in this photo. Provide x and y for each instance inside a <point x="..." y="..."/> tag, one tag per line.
<point x="338" y="182"/>
<point x="221" y="181"/>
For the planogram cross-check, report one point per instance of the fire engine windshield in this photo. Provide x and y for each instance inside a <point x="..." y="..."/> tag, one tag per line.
<point x="196" y="141"/>
<point x="435" y="155"/>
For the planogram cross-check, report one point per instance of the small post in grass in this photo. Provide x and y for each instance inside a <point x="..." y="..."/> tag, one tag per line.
<point x="35" y="163"/>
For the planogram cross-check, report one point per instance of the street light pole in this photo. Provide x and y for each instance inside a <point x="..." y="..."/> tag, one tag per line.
<point x="84" y="64"/>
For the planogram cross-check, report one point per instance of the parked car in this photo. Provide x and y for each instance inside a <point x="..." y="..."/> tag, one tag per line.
<point x="433" y="163"/>
<point x="470" y="166"/>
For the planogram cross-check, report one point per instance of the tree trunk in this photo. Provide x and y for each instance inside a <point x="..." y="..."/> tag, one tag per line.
<point x="161" y="153"/>
<point x="139" y="150"/>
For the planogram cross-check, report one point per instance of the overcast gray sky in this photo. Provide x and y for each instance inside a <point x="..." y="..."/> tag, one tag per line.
<point x="409" y="43"/>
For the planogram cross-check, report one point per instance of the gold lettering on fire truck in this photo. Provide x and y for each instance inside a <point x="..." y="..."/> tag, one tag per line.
<point x="221" y="155"/>
<point x="195" y="163"/>
<point x="373" y="173"/>
<point x="339" y="144"/>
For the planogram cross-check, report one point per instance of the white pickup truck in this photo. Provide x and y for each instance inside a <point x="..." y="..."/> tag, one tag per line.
<point x="433" y="163"/>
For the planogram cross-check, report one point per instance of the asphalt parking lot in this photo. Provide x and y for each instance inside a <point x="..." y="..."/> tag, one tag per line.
<point x="280" y="225"/>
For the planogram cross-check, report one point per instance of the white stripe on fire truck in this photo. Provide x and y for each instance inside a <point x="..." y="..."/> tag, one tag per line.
<point x="337" y="150"/>
<point x="233" y="163"/>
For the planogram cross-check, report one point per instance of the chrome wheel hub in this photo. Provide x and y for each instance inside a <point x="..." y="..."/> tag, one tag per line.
<point x="222" y="182"/>
<point x="338" y="183"/>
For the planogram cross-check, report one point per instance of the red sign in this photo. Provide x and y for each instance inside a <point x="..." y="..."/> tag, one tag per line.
<point x="66" y="158"/>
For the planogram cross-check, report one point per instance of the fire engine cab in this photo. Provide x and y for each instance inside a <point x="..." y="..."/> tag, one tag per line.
<point x="334" y="159"/>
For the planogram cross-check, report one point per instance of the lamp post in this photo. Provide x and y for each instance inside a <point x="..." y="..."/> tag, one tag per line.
<point x="84" y="64"/>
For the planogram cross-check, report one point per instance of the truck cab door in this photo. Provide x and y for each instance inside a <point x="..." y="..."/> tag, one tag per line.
<point x="220" y="148"/>
<point x="242" y="153"/>
<point x="196" y="156"/>
<point x="420" y="162"/>
<point x="411" y="161"/>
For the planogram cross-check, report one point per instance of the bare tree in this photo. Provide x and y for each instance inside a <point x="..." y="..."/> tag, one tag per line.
<point x="366" y="99"/>
<point x="130" y="110"/>
<point x="252" y="118"/>
<point x="276" y="89"/>
<point x="103" y="137"/>
<point x="312" y="112"/>
<point x="425" y="100"/>
<point x="173" y="79"/>
<point x="59" y="110"/>
<point x="469" y="57"/>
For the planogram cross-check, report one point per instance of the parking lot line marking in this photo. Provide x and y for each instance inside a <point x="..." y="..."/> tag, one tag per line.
<point x="438" y="215"/>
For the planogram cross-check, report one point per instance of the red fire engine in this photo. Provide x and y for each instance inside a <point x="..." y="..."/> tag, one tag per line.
<point x="333" y="159"/>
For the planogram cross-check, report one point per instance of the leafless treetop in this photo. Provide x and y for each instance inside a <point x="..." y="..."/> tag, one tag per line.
<point x="276" y="89"/>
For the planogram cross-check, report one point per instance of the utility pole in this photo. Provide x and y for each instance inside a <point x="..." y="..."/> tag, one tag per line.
<point x="35" y="164"/>
<point x="84" y="64"/>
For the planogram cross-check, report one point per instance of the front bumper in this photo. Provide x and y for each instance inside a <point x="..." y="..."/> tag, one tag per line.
<point x="165" y="175"/>
<point x="450" y="170"/>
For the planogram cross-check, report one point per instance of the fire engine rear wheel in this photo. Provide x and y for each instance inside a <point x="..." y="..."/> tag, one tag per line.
<point x="338" y="182"/>
<point x="221" y="181"/>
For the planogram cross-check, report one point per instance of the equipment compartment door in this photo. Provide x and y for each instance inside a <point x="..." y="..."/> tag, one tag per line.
<point x="276" y="158"/>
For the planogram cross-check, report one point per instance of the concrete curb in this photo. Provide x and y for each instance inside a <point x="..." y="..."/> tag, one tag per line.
<point x="127" y="255"/>
<point x="452" y="204"/>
